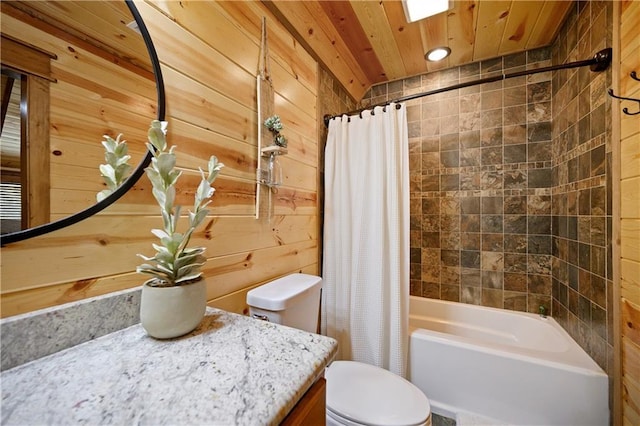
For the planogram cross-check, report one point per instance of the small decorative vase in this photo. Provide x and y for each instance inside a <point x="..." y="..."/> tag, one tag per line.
<point x="167" y="312"/>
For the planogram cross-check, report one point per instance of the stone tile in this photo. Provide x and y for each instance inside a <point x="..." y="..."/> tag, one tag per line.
<point x="515" y="154"/>
<point x="449" y="222"/>
<point x="430" y="183"/>
<point x="470" y="241"/>
<point x="515" y="263"/>
<point x="493" y="242"/>
<point x="537" y="132"/>
<point x="492" y="261"/>
<point x="471" y="295"/>
<point x="538" y="204"/>
<point x="492" y="179"/>
<point x="516" y="179"/>
<point x="515" y="243"/>
<point x="450" y="292"/>
<point x="470" y="181"/>
<point x="470" y="223"/>
<point x="449" y="206"/>
<point x="515" y="204"/>
<point x="470" y="157"/>
<point x="469" y="139"/>
<point x="539" y="284"/>
<point x="450" y="241"/>
<point x="539" y="178"/>
<point x="449" y="159"/>
<point x="449" y="142"/>
<point x="515" y="301"/>
<point x="450" y="257"/>
<point x="492" y="298"/>
<point x="514" y="134"/>
<point x="449" y="182"/>
<point x="540" y="151"/>
<point x="515" y="224"/>
<point x="539" y="92"/>
<point x="491" y="137"/>
<point x="540" y="225"/>
<point x="515" y="282"/>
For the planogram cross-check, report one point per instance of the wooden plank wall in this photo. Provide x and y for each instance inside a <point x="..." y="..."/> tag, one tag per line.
<point x="630" y="213"/>
<point x="209" y="55"/>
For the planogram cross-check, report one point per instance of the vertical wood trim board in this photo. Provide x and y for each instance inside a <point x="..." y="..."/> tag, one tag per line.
<point x="628" y="254"/>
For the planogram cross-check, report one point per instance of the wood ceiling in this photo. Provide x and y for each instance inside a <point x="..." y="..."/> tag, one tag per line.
<point x="367" y="42"/>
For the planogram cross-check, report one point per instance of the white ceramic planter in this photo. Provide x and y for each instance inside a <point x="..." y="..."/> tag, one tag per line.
<point x="167" y="312"/>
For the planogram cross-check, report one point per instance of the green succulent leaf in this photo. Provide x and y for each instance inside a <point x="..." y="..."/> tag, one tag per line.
<point x="174" y="262"/>
<point x="165" y="164"/>
<point x="156" y="136"/>
<point x="116" y="168"/>
<point x="103" y="194"/>
<point x="196" y="219"/>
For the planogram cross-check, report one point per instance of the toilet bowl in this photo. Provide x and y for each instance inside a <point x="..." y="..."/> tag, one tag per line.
<point x="362" y="394"/>
<point x="357" y="393"/>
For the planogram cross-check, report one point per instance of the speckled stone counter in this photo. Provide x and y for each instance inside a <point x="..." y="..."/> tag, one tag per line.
<point x="232" y="370"/>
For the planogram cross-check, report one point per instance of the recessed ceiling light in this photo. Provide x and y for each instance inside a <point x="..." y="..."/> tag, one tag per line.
<point x="415" y="10"/>
<point x="437" y="54"/>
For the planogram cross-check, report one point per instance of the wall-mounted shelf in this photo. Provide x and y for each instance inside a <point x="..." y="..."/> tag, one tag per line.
<point x="273" y="150"/>
<point x="271" y="173"/>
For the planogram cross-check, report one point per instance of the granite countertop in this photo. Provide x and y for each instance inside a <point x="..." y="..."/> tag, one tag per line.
<point x="231" y="370"/>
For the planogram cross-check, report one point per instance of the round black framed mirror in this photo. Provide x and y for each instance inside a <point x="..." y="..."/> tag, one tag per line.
<point x="135" y="175"/>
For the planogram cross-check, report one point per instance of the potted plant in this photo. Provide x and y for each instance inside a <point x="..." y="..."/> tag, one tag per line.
<point x="275" y="126"/>
<point x="174" y="300"/>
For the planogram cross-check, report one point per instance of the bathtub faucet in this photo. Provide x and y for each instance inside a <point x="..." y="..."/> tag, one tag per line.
<point x="542" y="311"/>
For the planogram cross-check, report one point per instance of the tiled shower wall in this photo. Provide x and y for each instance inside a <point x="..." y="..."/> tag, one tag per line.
<point x="480" y="176"/>
<point x="511" y="183"/>
<point x="582" y="194"/>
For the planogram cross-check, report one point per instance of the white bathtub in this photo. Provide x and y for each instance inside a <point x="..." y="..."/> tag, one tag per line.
<point x="513" y="367"/>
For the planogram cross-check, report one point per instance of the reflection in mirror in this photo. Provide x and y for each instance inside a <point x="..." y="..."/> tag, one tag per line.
<point x="10" y="179"/>
<point x="93" y="64"/>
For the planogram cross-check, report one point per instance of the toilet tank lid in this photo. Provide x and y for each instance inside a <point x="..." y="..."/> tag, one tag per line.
<point x="284" y="292"/>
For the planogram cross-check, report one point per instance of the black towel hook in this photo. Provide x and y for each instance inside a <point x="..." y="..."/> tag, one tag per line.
<point x="622" y="98"/>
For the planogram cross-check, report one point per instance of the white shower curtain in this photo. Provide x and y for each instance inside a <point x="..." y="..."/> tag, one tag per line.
<point x="366" y="238"/>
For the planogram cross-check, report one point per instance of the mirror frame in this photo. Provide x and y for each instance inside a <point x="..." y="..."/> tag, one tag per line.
<point x="24" y="234"/>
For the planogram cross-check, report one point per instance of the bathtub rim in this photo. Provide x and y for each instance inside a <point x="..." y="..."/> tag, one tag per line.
<point x="574" y="358"/>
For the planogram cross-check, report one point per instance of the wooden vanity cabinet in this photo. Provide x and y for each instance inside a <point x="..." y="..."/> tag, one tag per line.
<point x="310" y="410"/>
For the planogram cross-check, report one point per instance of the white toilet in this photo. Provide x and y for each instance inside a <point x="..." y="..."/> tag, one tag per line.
<point x="357" y="393"/>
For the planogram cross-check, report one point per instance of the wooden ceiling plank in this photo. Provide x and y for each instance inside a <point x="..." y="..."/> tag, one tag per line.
<point x="329" y="49"/>
<point x="344" y="20"/>
<point x="407" y="37"/>
<point x="434" y="34"/>
<point x="461" y="29"/>
<point x="520" y="23"/>
<point x="374" y="21"/>
<point x="548" y="24"/>
<point x="492" y="18"/>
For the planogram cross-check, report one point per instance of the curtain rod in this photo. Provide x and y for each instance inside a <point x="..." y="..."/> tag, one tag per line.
<point x="598" y="63"/>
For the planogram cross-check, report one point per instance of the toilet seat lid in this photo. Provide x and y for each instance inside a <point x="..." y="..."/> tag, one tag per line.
<point x="373" y="396"/>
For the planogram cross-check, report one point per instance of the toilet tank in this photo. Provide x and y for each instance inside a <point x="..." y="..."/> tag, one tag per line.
<point x="293" y="300"/>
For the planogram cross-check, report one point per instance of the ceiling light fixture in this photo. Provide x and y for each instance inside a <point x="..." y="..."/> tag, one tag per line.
<point x="437" y="54"/>
<point x="415" y="10"/>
